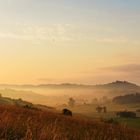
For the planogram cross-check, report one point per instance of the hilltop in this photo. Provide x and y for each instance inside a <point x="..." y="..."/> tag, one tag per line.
<point x="119" y="84"/>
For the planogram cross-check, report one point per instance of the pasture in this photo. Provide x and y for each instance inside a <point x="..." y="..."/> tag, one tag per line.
<point x="89" y="112"/>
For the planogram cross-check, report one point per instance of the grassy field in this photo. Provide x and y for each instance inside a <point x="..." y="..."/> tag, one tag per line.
<point x="17" y="123"/>
<point x="89" y="111"/>
<point x="133" y="123"/>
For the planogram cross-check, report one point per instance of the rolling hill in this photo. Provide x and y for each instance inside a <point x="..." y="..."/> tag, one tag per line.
<point x="22" y="103"/>
<point x="116" y="84"/>
<point x="43" y="125"/>
<point x="53" y="94"/>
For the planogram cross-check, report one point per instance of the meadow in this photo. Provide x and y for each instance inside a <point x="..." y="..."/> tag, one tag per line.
<point x="18" y="123"/>
<point x="48" y="123"/>
<point x="89" y="111"/>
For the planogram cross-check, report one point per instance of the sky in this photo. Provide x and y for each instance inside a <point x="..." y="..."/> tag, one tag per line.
<point x="76" y="41"/>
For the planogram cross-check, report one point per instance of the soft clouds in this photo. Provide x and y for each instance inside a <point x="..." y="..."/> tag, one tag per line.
<point x="63" y="33"/>
<point x="56" y="32"/>
<point x="118" y="40"/>
<point x="129" y="68"/>
<point x="129" y="72"/>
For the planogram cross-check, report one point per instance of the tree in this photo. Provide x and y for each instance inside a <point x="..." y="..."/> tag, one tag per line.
<point x="99" y="109"/>
<point x="71" y="102"/>
<point x="104" y="109"/>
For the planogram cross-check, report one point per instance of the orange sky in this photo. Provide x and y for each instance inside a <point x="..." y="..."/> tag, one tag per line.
<point x="81" y="42"/>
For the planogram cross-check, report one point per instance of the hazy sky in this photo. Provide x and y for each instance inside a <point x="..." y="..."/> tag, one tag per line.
<point x="80" y="41"/>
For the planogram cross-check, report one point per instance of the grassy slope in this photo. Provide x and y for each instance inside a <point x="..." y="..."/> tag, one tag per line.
<point x="19" y="123"/>
<point x="20" y="102"/>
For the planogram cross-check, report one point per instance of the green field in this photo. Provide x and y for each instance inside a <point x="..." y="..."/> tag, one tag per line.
<point x="134" y="123"/>
<point x="89" y="112"/>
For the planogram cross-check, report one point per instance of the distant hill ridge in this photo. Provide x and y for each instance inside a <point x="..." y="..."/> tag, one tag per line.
<point x="120" y="84"/>
<point x="111" y="85"/>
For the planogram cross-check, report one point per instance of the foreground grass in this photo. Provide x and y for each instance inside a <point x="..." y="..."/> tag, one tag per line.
<point x="131" y="122"/>
<point x="17" y="123"/>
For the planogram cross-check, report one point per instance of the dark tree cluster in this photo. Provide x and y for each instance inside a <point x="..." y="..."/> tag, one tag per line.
<point x="100" y="109"/>
<point x="126" y="114"/>
<point x="126" y="99"/>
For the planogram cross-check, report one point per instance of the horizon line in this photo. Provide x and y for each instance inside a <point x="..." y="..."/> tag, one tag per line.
<point x="68" y="83"/>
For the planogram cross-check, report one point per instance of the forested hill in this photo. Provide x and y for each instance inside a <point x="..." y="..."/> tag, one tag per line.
<point x="129" y="98"/>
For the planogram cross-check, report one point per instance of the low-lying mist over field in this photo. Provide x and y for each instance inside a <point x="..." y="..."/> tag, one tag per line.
<point x="95" y="102"/>
<point x="59" y="94"/>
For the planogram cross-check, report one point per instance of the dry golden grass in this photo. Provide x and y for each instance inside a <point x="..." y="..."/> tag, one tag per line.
<point x="17" y="123"/>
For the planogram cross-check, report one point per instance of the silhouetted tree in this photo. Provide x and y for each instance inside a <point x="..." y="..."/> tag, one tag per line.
<point x="104" y="109"/>
<point x="99" y="109"/>
<point x="71" y="102"/>
<point x="19" y="99"/>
